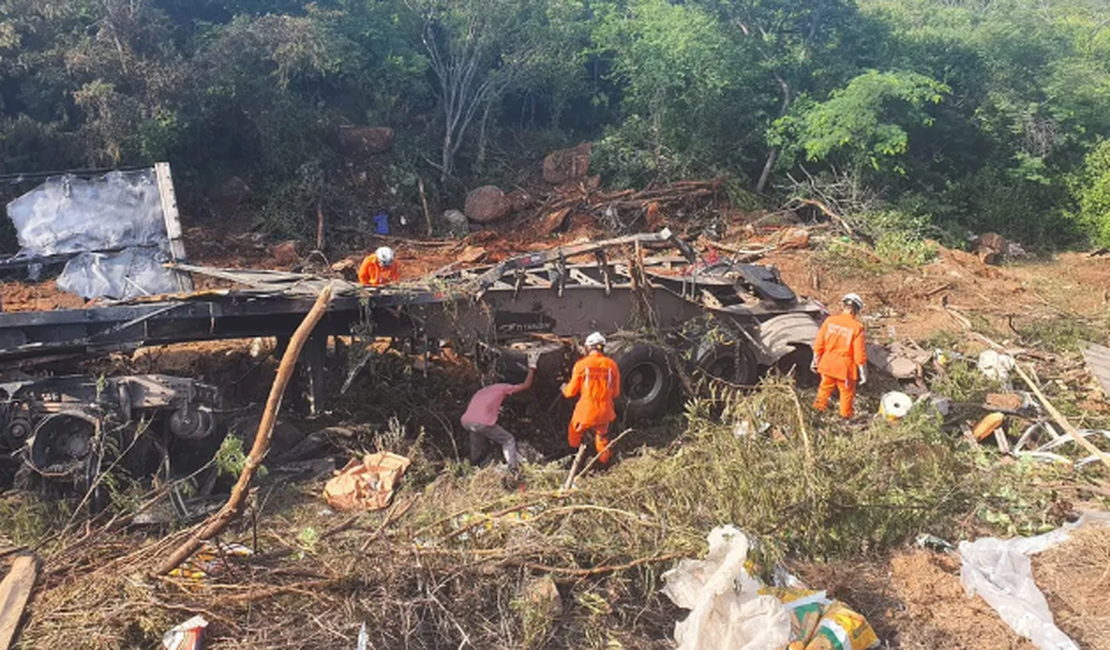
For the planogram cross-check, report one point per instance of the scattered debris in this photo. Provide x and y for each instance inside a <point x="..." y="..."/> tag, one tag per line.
<point x="791" y="239"/>
<point x="995" y="365"/>
<point x="555" y="221"/>
<point x="212" y="558"/>
<point x="991" y="247"/>
<point x="472" y="254"/>
<point x="899" y="360"/>
<point x="187" y="636"/>
<point x="1061" y="420"/>
<point x="236" y="502"/>
<point x="729" y="608"/>
<point x="1011" y="402"/>
<point x="367" y="484"/>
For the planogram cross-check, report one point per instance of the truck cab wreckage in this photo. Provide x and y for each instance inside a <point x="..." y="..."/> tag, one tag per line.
<point x="668" y="310"/>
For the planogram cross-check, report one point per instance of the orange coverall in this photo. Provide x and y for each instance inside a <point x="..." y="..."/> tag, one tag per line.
<point x="374" y="274"/>
<point x="842" y="349"/>
<point x="597" y="379"/>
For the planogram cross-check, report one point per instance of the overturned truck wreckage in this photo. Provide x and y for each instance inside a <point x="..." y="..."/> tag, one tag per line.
<point x="66" y="430"/>
<point x="666" y="314"/>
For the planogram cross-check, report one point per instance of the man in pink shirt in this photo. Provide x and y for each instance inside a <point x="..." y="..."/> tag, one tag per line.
<point x="480" y="419"/>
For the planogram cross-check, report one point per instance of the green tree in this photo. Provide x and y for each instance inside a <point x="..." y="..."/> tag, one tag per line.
<point x="865" y="123"/>
<point x="1091" y="192"/>
<point x="688" y="97"/>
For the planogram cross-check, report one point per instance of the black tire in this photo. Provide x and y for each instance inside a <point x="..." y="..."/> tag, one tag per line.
<point x="646" y="380"/>
<point x="798" y="362"/>
<point x="734" y="363"/>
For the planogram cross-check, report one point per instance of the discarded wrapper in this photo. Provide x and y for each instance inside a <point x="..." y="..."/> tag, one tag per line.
<point x="367" y="484"/>
<point x="819" y="623"/>
<point x="186" y="636"/>
<point x="211" y="558"/>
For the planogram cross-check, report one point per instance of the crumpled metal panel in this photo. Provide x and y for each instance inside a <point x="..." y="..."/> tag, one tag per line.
<point x="67" y="214"/>
<point x="114" y="223"/>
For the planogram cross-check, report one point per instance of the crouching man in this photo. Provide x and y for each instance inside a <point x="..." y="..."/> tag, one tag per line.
<point x="480" y="419"/>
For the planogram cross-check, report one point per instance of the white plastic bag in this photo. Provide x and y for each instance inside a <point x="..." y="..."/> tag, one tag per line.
<point x="1000" y="571"/>
<point x="1003" y="576"/>
<point x="726" y="610"/>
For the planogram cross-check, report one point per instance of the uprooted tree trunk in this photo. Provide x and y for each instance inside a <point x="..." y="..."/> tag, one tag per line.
<point x="233" y="509"/>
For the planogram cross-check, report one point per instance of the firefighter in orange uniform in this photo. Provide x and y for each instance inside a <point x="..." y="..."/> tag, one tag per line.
<point x="840" y="356"/>
<point x="379" y="268"/>
<point x="596" y="380"/>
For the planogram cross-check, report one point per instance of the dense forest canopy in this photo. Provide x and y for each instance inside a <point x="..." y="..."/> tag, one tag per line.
<point x="937" y="116"/>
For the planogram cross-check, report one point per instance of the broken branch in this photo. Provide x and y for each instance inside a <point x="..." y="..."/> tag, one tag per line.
<point x="1060" y="419"/>
<point x="234" y="506"/>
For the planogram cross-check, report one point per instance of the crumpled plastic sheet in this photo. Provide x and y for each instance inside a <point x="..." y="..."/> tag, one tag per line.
<point x="1001" y="572"/>
<point x="67" y="214"/>
<point x="726" y="609"/>
<point x="732" y="610"/>
<point x="130" y="273"/>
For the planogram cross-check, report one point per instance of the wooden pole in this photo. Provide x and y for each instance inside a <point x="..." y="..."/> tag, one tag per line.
<point x="1061" y="420"/>
<point x="424" y="202"/>
<point x="234" y="506"/>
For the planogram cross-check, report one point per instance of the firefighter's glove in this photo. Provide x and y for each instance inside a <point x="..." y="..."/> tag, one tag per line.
<point x="813" y="364"/>
<point x="862" y="374"/>
<point x="533" y="360"/>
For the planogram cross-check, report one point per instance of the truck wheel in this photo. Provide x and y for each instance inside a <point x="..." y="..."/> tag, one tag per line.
<point x="798" y="362"/>
<point x="734" y="364"/>
<point x="646" y="380"/>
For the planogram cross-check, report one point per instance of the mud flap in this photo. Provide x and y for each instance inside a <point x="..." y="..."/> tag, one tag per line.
<point x="781" y="335"/>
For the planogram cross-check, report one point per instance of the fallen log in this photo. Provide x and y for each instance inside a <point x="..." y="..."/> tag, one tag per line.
<point x="234" y="506"/>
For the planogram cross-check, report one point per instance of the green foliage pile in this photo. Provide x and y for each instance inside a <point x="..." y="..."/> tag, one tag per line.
<point x="969" y="115"/>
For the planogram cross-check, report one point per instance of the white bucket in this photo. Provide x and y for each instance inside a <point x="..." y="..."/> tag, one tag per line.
<point x="895" y="405"/>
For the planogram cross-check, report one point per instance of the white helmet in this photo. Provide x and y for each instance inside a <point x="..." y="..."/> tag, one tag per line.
<point x="595" y="339"/>
<point x="385" y="255"/>
<point x="854" y="300"/>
